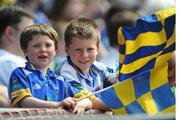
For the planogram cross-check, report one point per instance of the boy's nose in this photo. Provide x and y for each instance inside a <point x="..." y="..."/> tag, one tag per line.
<point x="43" y="49"/>
<point x="85" y="54"/>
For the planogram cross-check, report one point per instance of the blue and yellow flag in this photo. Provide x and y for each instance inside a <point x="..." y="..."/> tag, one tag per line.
<point x="143" y="74"/>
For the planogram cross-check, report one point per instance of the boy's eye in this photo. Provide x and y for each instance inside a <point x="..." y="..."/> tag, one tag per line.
<point x="90" y="49"/>
<point x="37" y="45"/>
<point x="77" y="50"/>
<point x="48" y="45"/>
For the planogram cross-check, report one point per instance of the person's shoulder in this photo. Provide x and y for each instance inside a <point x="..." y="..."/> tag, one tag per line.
<point x="99" y="65"/>
<point x="9" y="60"/>
<point x="19" y="69"/>
<point x="66" y="67"/>
<point x="17" y="72"/>
<point x="68" y="72"/>
<point x="59" y="77"/>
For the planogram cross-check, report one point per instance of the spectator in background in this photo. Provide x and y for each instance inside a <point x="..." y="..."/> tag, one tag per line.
<point x="6" y="2"/>
<point x="4" y="100"/>
<point x="128" y="4"/>
<point x="13" y="20"/>
<point x="36" y="7"/>
<point x="66" y="10"/>
<point x="133" y="5"/>
<point x="151" y="6"/>
<point x="144" y="7"/>
<point x="116" y="17"/>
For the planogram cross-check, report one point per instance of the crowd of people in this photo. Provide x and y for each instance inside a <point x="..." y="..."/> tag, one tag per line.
<point x="56" y="52"/>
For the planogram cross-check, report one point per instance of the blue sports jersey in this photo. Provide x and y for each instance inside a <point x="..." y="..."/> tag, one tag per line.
<point x="30" y="81"/>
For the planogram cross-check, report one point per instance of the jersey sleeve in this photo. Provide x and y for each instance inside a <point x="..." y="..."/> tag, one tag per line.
<point x="109" y="75"/>
<point x="76" y="90"/>
<point x="18" y="86"/>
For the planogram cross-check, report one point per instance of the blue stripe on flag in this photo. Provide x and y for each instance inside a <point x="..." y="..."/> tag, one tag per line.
<point x="134" y="108"/>
<point x="143" y="25"/>
<point x="122" y="49"/>
<point x="143" y="52"/>
<point x="147" y="67"/>
<point x="110" y="99"/>
<point x="169" y="26"/>
<point x="169" y="49"/>
<point x="142" y="84"/>
<point x="160" y="97"/>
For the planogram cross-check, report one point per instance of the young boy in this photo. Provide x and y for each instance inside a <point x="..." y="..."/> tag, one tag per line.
<point x="35" y="85"/>
<point x="82" y="38"/>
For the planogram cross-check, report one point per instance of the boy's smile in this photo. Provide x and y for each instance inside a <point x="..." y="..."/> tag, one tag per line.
<point x="84" y="62"/>
<point x="82" y="52"/>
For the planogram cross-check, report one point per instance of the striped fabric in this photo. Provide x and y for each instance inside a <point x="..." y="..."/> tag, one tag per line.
<point x="143" y="74"/>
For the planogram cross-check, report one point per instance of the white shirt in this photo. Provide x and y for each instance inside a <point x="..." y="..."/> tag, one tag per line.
<point x="97" y="80"/>
<point x="9" y="62"/>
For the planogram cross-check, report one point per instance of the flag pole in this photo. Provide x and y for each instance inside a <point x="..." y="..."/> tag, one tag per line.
<point x="104" y="89"/>
<point x="99" y="91"/>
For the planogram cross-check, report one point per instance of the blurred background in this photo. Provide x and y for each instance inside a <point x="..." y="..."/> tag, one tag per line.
<point x="108" y="14"/>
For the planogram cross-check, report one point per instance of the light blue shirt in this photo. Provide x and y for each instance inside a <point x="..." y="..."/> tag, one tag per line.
<point x="99" y="75"/>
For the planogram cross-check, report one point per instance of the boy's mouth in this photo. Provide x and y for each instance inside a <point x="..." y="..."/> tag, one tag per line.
<point x="84" y="62"/>
<point x="42" y="57"/>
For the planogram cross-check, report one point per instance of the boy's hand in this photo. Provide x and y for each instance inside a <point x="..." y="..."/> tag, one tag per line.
<point x="68" y="103"/>
<point x="81" y="106"/>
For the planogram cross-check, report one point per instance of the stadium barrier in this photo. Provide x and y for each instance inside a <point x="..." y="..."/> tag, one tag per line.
<point x="59" y="114"/>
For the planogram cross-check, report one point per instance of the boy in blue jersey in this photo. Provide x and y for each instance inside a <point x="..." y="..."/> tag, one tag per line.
<point x="82" y="39"/>
<point x="35" y="85"/>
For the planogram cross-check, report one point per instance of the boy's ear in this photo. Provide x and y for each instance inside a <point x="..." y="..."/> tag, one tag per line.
<point x="66" y="50"/>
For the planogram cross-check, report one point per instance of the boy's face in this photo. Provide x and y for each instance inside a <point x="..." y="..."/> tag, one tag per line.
<point x="82" y="52"/>
<point x="41" y="51"/>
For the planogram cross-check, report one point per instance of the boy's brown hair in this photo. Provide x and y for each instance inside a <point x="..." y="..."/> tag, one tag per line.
<point x="37" y="29"/>
<point x="83" y="28"/>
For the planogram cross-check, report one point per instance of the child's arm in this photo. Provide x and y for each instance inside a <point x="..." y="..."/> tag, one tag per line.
<point x="31" y="102"/>
<point x="92" y="102"/>
<point x="98" y="104"/>
<point x="87" y="104"/>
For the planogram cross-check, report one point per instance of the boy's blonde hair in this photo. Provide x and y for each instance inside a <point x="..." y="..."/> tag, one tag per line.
<point x="83" y="28"/>
<point x="37" y="29"/>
